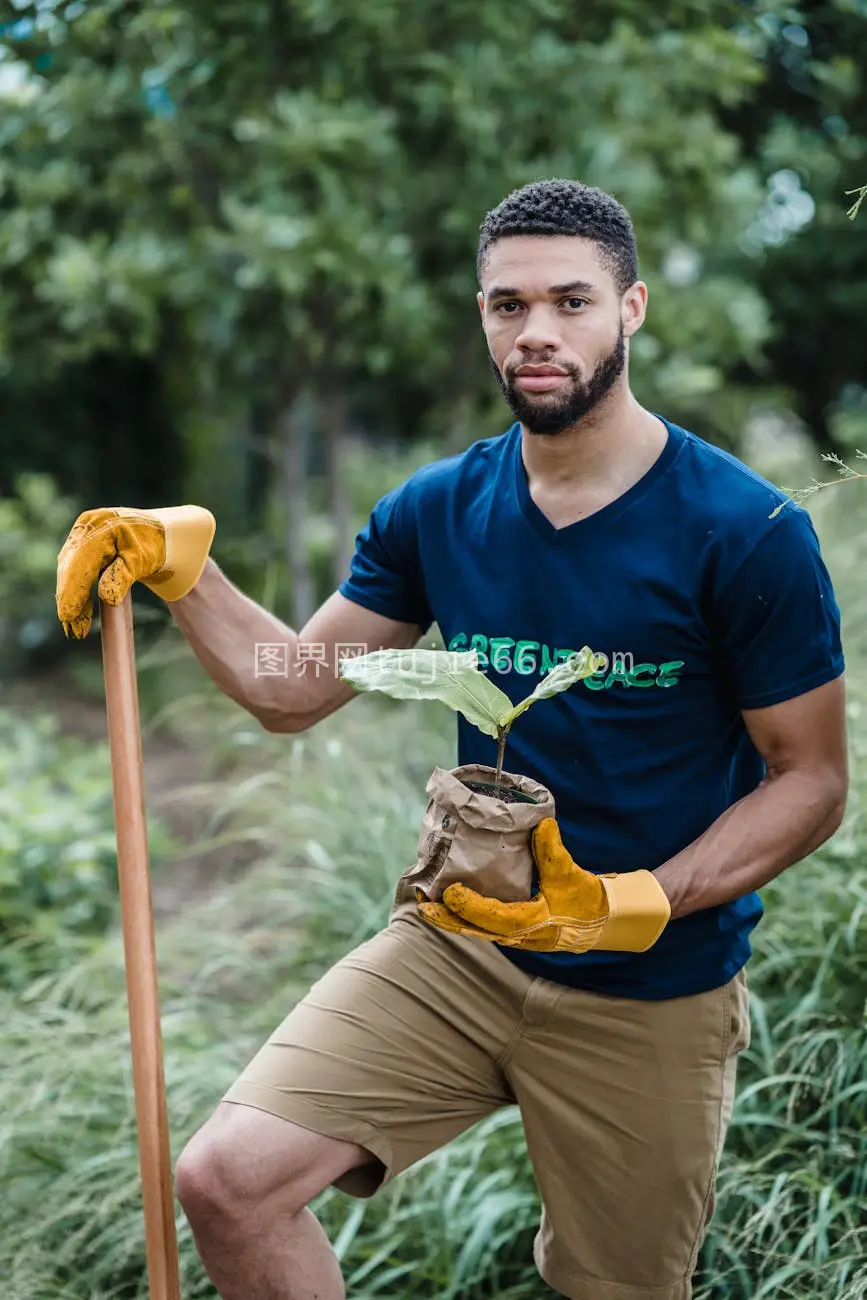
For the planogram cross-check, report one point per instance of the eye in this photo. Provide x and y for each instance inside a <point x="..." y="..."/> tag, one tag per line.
<point x="581" y="302"/>
<point x="500" y="307"/>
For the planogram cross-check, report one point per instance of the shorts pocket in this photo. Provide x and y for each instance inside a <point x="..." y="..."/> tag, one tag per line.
<point x="740" y="1032"/>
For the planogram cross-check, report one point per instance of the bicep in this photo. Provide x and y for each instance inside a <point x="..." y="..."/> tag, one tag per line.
<point x="339" y="627"/>
<point x="806" y="734"/>
<point x="774" y="619"/>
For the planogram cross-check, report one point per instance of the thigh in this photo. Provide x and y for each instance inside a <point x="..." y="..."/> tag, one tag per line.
<point x="396" y="1048"/>
<point x="625" y="1107"/>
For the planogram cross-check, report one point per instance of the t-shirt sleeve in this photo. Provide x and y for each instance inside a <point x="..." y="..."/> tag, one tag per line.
<point x="385" y="572"/>
<point x="777" y="619"/>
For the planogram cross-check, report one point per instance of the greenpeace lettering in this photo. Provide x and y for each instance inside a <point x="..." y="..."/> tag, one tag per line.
<point x="504" y="654"/>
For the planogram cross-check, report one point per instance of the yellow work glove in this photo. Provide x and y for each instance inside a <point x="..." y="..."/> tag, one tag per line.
<point x="574" y="910"/>
<point x="166" y="549"/>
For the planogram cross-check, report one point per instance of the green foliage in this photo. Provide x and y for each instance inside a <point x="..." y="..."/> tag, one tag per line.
<point x="211" y="214"/>
<point x="805" y="129"/>
<point x="33" y="524"/>
<point x="271" y="200"/>
<point x="58" y="872"/>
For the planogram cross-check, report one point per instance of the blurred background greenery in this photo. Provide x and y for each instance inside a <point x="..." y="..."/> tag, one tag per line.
<point x="237" y="249"/>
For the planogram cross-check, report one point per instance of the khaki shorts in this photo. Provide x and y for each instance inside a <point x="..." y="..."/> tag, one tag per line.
<point x="416" y="1035"/>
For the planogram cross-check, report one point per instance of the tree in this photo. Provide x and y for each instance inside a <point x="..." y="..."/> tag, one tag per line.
<point x="805" y="127"/>
<point x="277" y="205"/>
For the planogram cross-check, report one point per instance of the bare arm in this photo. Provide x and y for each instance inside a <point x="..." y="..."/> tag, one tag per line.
<point x="797" y="806"/>
<point x="223" y="627"/>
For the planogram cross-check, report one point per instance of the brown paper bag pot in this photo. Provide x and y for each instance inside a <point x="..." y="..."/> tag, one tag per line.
<point x="470" y="837"/>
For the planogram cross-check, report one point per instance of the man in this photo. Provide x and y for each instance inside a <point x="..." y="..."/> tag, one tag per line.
<point x="706" y="756"/>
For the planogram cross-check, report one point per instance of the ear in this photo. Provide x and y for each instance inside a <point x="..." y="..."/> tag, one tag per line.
<point x="480" y="299"/>
<point x="634" y="308"/>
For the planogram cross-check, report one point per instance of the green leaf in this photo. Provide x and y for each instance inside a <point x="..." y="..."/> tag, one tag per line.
<point x="450" y="676"/>
<point x="453" y="678"/>
<point x="579" y="665"/>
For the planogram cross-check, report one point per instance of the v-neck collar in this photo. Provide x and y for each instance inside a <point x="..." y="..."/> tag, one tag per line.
<point x="602" y="517"/>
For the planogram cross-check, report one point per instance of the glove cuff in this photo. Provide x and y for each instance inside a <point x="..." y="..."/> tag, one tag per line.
<point x="638" y="912"/>
<point x="189" y="531"/>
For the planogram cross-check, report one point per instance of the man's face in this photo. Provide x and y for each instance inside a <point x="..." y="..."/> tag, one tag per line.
<point x="556" y="327"/>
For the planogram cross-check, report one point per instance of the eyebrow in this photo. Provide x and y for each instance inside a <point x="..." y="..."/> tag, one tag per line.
<point x="555" y="291"/>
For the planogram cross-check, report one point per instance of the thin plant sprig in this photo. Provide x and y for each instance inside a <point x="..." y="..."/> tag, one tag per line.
<point x="846" y="473"/>
<point x="862" y="194"/>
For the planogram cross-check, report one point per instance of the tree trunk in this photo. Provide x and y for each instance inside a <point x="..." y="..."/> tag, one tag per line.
<point x="332" y="411"/>
<point x="258" y="464"/>
<point x="462" y="381"/>
<point x="295" y="437"/>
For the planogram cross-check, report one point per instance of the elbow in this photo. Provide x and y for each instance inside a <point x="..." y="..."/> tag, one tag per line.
<point x="835" y="806"/>
<point x="277" y="712"/>
<point x="280" y="723"/>
<point x="837" y="811"/>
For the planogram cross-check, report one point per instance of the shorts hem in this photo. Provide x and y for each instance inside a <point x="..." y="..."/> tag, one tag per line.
<point x="328" y="1123"/>
<point x="577" y="1286"/>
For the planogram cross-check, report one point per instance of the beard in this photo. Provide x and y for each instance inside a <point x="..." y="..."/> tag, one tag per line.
<point x="557" y="411"/>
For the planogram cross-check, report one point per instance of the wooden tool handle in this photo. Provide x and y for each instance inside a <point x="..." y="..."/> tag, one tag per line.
<point x="121" y="693"/>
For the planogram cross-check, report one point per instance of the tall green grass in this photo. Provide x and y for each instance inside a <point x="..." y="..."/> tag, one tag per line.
<point x="332" y="836"/>
<point x="333" y="816"/>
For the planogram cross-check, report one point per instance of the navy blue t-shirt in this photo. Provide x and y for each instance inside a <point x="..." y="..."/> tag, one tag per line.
<point x="704" y="606"/>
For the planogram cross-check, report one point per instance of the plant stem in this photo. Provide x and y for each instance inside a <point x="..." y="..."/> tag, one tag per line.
<point x="501" y="749"/>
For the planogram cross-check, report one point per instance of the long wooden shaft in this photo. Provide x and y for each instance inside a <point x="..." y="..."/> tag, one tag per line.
<point x="124" y="737"/>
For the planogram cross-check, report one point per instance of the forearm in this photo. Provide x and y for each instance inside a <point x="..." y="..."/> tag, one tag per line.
<point x="782" y="821"/>
<point x="223" y="627"/>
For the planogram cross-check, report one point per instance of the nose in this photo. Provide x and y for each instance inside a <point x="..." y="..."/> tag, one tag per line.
<point x="539" y="332"/>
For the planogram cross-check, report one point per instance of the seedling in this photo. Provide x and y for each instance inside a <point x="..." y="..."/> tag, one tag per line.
<point x="454" y="678"/>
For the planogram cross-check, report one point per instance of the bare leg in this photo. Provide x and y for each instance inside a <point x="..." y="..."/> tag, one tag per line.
<point x="288" y="1259"/>
<point x="244" y="1181"/>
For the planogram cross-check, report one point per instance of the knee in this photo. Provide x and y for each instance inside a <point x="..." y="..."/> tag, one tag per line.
<point x="215" y="1182"/>
<point x="244" y="1158"/>
<point x="206" y="1180"/>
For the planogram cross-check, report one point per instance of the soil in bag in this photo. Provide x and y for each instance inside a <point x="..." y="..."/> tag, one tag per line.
<point x="469" y="836"/>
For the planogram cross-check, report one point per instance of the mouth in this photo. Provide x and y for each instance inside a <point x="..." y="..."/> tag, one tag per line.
<point x="539" y="379"/>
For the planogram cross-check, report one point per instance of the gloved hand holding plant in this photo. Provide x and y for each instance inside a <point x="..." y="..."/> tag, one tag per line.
<point x="472" y="832"/>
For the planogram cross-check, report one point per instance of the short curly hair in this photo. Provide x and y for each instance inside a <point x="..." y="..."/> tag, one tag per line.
<point x="562" y="207"/>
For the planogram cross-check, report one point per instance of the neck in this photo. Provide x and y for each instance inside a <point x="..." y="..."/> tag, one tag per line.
<point x="616" y="442"/>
